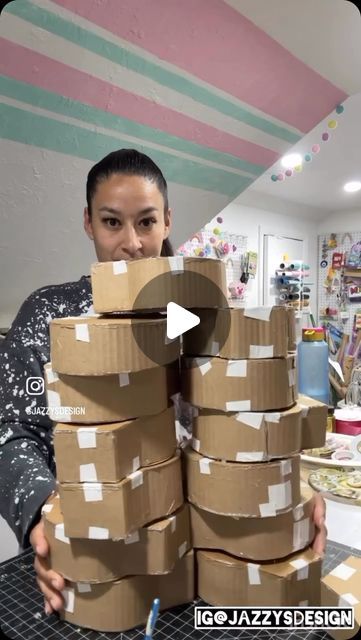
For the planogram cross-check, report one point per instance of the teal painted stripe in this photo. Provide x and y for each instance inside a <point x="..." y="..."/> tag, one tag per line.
<point x="73" y="108"/>
<point x="76" y="34"/>
<point x="40" y="131"/>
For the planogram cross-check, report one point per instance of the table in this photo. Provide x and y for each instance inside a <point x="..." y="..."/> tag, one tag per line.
<point x="22" y="615"/>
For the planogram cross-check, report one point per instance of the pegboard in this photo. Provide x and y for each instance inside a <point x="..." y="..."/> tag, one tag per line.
<point x="206" y="244"/>
<point x="336" y="243"/>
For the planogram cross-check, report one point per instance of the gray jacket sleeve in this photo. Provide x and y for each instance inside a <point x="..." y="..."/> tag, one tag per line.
<point x="27" y="465"/>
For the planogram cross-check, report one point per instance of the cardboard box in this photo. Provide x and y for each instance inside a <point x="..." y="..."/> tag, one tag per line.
<point x="260" y="332"/>
<point x="239" y="385"/>
<point x="109" y="452"/>
<point x="102" y="511"/>
<point x="150" y="283"/>
<point x="151" y="550"/>
<point x="111" y="398"/>
<point x="247" y="437"/>
<point x="100" y="346"/>
<point x="291" y="324"/>
<point x="262" y="489"/>
<point x="314" y="422"/>
<point x="342" y="588"/>
<point x="257" y="539"/>
<point x="227" y="581"/>
<point x="124" y="604"/>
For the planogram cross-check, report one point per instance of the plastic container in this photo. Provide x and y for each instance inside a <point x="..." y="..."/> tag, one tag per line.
<point x="313" y="365"/>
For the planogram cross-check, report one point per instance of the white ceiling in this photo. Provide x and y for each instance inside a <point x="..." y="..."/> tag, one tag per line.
<point x="320" y="183"/>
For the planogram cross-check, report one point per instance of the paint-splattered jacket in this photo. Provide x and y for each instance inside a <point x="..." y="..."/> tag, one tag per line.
<point x="27" y="465"/>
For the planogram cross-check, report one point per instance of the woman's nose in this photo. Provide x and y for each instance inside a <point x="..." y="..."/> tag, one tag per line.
<point x="130" y="241"/>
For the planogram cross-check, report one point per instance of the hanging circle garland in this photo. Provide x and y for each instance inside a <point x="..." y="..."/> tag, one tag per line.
<point x="315" y="149"/>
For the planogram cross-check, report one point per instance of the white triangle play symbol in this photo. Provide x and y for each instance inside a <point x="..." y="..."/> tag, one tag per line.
<point x="179" y="320"/>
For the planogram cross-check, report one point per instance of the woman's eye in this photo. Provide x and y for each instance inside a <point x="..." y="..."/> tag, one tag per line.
<point x="111" y="222"/>
<point x="148" y="222"/>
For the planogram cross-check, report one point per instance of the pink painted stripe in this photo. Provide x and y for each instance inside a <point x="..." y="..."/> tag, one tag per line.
<point x="214" y="42"/>
<point x="31" y="67"/>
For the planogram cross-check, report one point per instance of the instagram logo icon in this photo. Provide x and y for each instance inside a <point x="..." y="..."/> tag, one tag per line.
<point x="34" y="386"/>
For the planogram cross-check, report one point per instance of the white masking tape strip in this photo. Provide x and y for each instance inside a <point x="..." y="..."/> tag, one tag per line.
<point x="196" y="445"/>
<point x="54" y="401"/>
<point x="98" y="533"/>
<point x="261" y="351"/>
<point x="123" y="379"/>
<point x="69" y="598"/>
<point x="280" y="495"/>
<point x="136" y="479"/>
<point x="214" y="348"/>
<point x="87" y="438"/>
<point x="250" y="456"/>
<point x="291" y="377"/>
<point x="301" y="534"/>
<point x="298" y="512"/>
<point x="132" y="538"/>
<point x="51" y="376"/>
<point x="82" y="332"/>
<point x="253" y="573"/>
<point x="83" y="587"/>
<point x="304" y="410"/>
<point x="238" y="405"/>
<point x="119" y="266"/>
<point x="286" y="467"/>
<point x="59" y="533"/>
<point x="182" y="549"/>
<point x="347" y="599"/>
<point x="204" y="466"/>
<point x="136" y="463"/>
<point x="302" y="568"/>
<point x="93" y="491"/>
<point x="258" y="313"/>
<point x="267" y="510"/>
<point x="176" y="264"/>
<point x="57" y="412"/>
<point x="173" y="523"/>
<point x="343" y="571"/>
<point x="236" y="369"/>
<point x="88" y="473"/>
<point x="203" y="365"/>
<point x="47" y="508"/>
<point x="253" y="420"/>
<point x="272" y="417"/>
<point x="303" y="603"/>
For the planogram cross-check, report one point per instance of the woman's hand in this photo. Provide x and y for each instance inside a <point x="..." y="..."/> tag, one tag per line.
<point x="318" y="517"/>
<point x="49" y="582"/>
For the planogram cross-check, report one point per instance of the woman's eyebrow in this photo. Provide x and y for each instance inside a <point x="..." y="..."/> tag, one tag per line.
<point x="119" y="213"/>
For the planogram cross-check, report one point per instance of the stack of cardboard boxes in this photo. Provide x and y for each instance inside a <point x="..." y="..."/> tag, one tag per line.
<point x="250" y="521"/>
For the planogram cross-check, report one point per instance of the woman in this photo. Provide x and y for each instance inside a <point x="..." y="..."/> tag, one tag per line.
<point x="127" y="217"/>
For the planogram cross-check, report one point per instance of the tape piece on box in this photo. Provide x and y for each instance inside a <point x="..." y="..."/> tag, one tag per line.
<point x="56" y="410"/>
<point x="83" y="587"/>
<point x="204" y="466"/>
<point x="132" y="538"/>
<point x="261" y="351"/>
<point x="303" y="603"/>
<point x="87" y="438"/>
<point x="343" y="571"/>
<point x="301" y="534"/>
<point x="347" y="599"/>
<point x="253" y="573"/>
<point x="51" y="376"/>
<point x="250" y="419"/>
<point x="302" y="568"/>
<point x="176" y="264"/>
<point x="47" y="508"/>
<point x="98" y="533"/>
<point x="292" y="377"/>
<point x="304" y="410"/>
<point x="298" y="512"/>
<point x="280" y="495"/>
<point x="236" y="369"/>
<point x="136" y="463"/>
<point x="173" y="523"/>
<point x="196" y="444"/>
<point x="93" y="491"/>
<point x="258" y="313"/>
<point x="82" y="332"/>
<point x="119" y="266"/>
<point x="215" y="348"/>
<point x="238" y="405"/>
<point x="272" y="417"/>
<point x="59" y="533"/>
<point x="203" y="365"/>
<point x="250" y="456"/>
<point x="182" y="549"/>
<point x="286" y="467"/>
<point x="69" y="598"/>
<point x="136" y="479"/>
<point x="88" y="473"/>
<point x="123" y="379"/>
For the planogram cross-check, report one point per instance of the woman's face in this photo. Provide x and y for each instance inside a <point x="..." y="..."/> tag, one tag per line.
<point x="127" y="219"/>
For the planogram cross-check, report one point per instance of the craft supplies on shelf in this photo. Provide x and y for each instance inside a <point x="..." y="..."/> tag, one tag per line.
<point x="292" y="285"/>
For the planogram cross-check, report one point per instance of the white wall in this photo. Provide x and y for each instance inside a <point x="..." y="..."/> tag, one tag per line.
<point x="340" y="222"/>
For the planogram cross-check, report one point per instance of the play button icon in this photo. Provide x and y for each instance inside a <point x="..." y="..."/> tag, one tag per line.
<point x="179" y="320"/>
